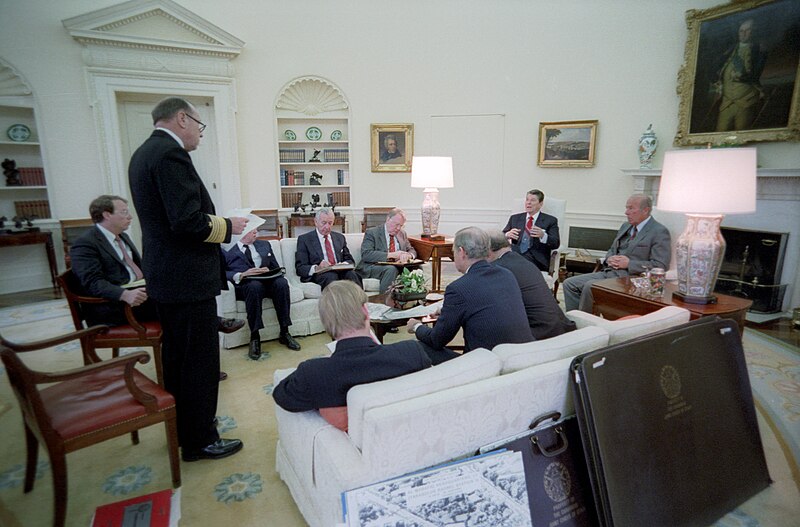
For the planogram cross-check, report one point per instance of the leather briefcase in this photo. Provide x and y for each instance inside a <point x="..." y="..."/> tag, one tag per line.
<point x="555" y="472"/>
<point x="669" y="427"/>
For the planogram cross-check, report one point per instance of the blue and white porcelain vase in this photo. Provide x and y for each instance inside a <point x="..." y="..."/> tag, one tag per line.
<point x="647" y="148"/>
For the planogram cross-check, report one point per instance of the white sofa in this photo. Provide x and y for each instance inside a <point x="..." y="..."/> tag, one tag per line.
<point x="432" y="416"/>
<point x="304" y="297"/>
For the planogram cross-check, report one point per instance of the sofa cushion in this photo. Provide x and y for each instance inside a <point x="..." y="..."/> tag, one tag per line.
<point x="623" y="330"/>
<point x="475" y="365"/>
<point x="519" y="356"/>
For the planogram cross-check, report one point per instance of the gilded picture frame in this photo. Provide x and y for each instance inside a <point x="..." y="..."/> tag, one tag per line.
<point x="392" y="147"/>
<point x="567" y="143"/>
<point x="740" y="81"/>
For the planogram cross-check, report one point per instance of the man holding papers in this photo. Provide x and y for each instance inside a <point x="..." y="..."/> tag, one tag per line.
<point x="248" y="264"/>
<point x="322" y="255"/>
<point x="384" y="243"/>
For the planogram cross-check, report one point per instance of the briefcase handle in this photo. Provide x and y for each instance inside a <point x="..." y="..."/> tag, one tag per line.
<point x="560" y="446"/>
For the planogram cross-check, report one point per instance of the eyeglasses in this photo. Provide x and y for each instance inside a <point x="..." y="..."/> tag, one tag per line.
<point x="202" y="126"/>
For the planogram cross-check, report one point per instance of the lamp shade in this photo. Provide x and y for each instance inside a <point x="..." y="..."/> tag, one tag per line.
<point x="709" y="181"/>
<point x="431" y="172"/>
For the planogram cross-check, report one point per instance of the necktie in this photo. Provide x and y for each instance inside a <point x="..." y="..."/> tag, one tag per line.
<point x="128" y="260"/>
<point x="391" y="244"/>
<point x="329" y="250"/>
<point x="249" y="256"/>
<point x="633" y="233"/>
<point x="529" y="225"/>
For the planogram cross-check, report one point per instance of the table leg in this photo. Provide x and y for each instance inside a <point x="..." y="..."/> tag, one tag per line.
<point x="436" y="270"/>
<point x="51" y="259"/>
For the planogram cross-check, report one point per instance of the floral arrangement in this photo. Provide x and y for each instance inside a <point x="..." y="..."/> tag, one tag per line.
<point x="409" y="282"/>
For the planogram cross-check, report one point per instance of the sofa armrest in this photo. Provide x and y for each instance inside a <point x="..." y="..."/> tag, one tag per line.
<point x="623" y="330"/>
<point x="227" y="299"/>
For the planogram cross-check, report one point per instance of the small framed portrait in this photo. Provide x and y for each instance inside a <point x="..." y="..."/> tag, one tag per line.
<point x="392" y="147"/>
<point x="739" y="82"/>
<point x="567" y="143"/>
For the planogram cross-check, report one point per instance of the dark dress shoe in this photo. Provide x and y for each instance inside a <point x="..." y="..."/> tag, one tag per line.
<point x="255" y="349"/>
<point x="217" y="450"/>
<point x="229" y="325"/>
<point x="222" y="376"/>
<point x="392" y="330"/>
<point x="287" y="340"/>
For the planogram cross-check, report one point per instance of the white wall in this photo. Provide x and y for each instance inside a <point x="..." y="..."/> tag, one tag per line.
<point x="529" y="60"/>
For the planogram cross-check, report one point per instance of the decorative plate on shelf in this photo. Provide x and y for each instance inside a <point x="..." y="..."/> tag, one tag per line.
<point x="336" y="135"/>
<point x="290" y="135"/>
<point x="314" y="134"/>
<point x="18" y="132"/>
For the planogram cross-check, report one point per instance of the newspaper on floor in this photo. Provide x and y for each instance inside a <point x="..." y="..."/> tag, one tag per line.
<point x="481" y="491"/>
<point x="384" y="312"/>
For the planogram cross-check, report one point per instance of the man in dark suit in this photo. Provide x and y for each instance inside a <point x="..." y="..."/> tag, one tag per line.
<point x="533" y="233"/>
<point x="323" y="383"/>
<point x="184" y="267"/>
<point x="244" y="263"/>
<point x="321" y="248"/>
<point x="545" y="318"/>
<point x="383" y="243"/>
<point x="485" y="302"/>
<point x="641" y="243"/>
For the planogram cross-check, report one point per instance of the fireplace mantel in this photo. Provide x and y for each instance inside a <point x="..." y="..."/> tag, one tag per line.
<point x="776" y="184"/>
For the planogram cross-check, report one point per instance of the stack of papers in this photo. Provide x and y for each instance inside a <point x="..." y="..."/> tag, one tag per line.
<point x="384" y="312"/>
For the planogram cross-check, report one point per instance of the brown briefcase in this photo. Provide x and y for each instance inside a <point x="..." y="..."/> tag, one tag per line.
<point x="669" y="428"/>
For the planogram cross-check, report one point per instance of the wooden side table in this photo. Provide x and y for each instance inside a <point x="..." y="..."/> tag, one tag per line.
<point x="616" y="297"/>
<point x="33" y="238"/>
<point x="433" y="251"/>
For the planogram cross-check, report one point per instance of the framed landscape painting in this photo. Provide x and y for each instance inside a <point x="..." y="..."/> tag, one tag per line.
<point x="567" y="143"/>
<point x="392" y="147"/>
<point x="739" y="82"/>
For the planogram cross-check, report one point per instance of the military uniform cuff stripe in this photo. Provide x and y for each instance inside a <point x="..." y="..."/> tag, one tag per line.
<point x="219" y="228"/>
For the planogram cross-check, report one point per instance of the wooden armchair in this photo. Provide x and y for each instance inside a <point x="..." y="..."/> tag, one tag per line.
<point x="73" y="409"/>
<point x="132" y="334"/>
<point x="374" y="216"/>
<point x="70" y="230"/>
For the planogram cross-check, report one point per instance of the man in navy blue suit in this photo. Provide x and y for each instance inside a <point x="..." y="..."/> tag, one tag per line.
<point x="486" y="302"/>
<point x="322" y="248"/>
<point x="245" y="262"/>
<point x="532" y="233"/>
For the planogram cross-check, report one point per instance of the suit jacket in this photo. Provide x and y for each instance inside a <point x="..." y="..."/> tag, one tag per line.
<point x="235" y="262"/>
<point x="375" y="249"/>
<point x="538" y="253"/>
<point x="324" y="382"/>
<point x="173" y="207"/>
<point x="545" y="318"/>
<point x="487" y="304"/>
<point x="101" y="272"/>
<point x="651" y="248"/>
<point x="309" y="252"/>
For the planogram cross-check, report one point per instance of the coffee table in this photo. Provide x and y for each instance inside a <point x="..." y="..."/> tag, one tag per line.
<point x="617" y="297"/>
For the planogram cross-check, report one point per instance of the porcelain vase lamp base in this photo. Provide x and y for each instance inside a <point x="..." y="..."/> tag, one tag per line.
<point x="430" y="212"/>
<point x="699" y="252"/>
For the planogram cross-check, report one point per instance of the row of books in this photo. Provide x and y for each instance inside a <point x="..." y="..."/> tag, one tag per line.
<point x="339" y="198"/>
<point x="292" y="177"/>
<point x="336" y="155"/>
<point x="31" y="176"/>
<point x="39" y="208"/>
<point x="342" y="177"/>
<point x="290" y="199"/>
<point x="292" y="155"/>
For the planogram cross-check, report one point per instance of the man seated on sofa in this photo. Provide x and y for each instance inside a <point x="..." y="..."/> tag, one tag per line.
<point x="641" y="243"/>
<point x="383" y="243"/>
<point x="245" y="262"/>
<point x="321" y="248"/>
<point x="545" y="318"/>
<point x="486" y="302"/>
<point x="532" y="233"/>
<point x="322" y="383"/>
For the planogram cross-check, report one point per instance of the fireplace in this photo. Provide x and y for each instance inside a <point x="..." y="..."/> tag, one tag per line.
<point x="752" y="267"/>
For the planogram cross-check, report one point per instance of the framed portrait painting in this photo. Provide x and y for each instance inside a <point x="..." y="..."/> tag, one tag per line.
<point x="567" y="143"/>
<point x="392" y="147"/>
<point x="739" y="82"/>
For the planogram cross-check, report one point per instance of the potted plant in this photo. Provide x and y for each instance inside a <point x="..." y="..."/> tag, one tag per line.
<point x="408" y="286"/>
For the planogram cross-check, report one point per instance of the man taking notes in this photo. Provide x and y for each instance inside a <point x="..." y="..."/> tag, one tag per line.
<point x="384" y="243"/>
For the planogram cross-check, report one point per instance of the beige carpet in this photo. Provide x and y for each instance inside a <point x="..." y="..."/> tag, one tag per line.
<point x="243" y="489"/>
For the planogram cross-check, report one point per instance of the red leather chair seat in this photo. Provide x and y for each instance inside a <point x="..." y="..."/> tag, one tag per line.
<point x="97" y="401"/>
<point x="152" y="330"/>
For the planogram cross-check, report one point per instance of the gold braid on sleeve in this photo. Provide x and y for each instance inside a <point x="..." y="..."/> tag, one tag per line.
<point x="219" y="228"/>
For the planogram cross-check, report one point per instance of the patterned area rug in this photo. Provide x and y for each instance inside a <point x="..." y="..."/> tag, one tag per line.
<point x="245" y="489"/>
<point x="11" y="316"/>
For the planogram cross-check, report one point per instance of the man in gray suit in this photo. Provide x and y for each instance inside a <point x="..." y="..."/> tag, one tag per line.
<point x="383" y="243"/>
<point x="642" y="243"/>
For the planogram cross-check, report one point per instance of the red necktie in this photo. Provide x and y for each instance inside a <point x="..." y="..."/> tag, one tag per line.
<point x="391" y="244"/>
<point x="329" y="250"/>
<point x="633" y="234"/>
<point x="529" y="225"/>
<point x="128" y="260"/>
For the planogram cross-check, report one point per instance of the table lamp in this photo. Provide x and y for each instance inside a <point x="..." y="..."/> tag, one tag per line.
<point x="705" y="184"/>
<point x="431" y="173"/>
